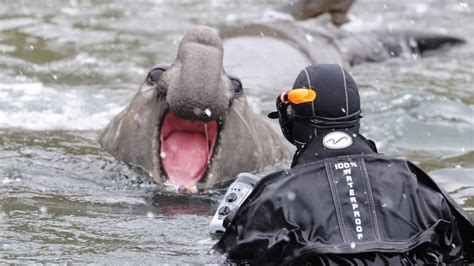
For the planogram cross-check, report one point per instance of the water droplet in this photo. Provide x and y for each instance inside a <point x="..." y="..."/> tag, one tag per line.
<point x="412" y="43"/>
<point x="384" y="205"/>
<point x="32" y="47"/>
<point x="208" y="112"/>
<point x="309" y="37"/>
<point x="291" y="196"/>
<point x="404" y="196"/>
<point x="197" y="111"/>
<point x="162" y="155"/>
<point x="55" y="77"/>
<point x="353" y="245"/>
<point x="43" y="209"/>
<point x="150" y="215"/>
<point x="343" y="110"/>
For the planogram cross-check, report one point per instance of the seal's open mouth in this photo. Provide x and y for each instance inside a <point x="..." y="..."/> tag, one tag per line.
<point x="186" y="148"/>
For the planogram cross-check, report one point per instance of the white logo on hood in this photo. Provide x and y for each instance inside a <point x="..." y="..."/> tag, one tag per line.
<point x="337" y="140"/>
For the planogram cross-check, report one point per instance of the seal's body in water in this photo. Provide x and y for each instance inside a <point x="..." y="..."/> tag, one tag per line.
<point x="266" y="55"/>
<point x="189" y="122"/>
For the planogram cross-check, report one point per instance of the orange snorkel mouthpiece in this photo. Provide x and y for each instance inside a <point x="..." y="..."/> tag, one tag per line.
<point x="302" y="95"/>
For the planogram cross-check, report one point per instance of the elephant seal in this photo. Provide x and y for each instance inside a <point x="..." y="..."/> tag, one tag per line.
<point x="190" y="122"/>
<point x="305" y="9"/>
<point x="266" y="54"/>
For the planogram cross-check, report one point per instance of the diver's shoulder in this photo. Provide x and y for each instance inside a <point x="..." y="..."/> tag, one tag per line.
<point x="348" y="157"/>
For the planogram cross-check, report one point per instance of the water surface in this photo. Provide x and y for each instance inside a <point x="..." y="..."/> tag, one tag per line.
<point x="67" y="67"/>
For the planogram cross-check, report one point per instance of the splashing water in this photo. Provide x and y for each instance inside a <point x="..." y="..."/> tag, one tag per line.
<point x="67" y="68"/>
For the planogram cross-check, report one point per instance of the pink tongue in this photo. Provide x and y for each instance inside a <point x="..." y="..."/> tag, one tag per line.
<point x="184" y="157"/>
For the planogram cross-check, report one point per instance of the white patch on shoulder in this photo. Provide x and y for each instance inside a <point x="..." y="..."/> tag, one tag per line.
<point x="337" y="140"/>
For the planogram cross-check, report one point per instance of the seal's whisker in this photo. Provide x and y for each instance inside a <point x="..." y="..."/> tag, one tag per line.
<point x="253" y="77"/>
<point x="145" y="91"/>
<point x="248" y="127"/>
<point x="207" y="141"/>
<point x="230" y="66"/>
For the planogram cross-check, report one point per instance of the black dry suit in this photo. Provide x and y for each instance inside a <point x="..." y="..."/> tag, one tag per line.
<point x="343" y="203"/>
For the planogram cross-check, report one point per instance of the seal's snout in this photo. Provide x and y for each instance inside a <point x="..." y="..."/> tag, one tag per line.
<point x="199" y="91"/>
<point x="203" y="35"/>
<point x="197" y="97"/>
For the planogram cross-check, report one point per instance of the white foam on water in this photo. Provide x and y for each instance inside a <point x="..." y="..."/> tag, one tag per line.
<point x="115" y="199"/>
<point x="9" y="24"/>
<point x="358" y="24"/>
<point x="43" y="209"/>
<point x="421" y="8"/>
<point x="34" y="106"/>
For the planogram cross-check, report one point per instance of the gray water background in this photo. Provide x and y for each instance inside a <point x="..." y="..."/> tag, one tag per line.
<point x="67" y="67"/>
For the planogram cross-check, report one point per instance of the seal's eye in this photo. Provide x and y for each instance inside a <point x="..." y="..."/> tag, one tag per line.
<point x="154" y="75"/>
<point x="237" y="85"/>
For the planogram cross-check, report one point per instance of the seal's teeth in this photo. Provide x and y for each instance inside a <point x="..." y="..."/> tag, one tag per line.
<point x="193" y="189"/>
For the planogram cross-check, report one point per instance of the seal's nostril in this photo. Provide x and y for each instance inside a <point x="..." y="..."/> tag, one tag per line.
<point x="191" y="112"/>
<point x="202" y="113"/>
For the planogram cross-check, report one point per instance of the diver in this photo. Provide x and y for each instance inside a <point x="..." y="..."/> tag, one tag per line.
<point x="341" y="202"/>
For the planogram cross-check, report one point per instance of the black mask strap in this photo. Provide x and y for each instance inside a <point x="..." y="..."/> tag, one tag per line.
<point x="329" y="122"/>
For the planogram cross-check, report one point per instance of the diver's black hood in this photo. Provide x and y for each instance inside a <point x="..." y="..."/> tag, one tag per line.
<point x="337" y="96"/>
<point x="336" y="104"/>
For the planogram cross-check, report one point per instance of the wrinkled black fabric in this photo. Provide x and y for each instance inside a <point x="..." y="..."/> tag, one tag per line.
<point x="305" y="215"/>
